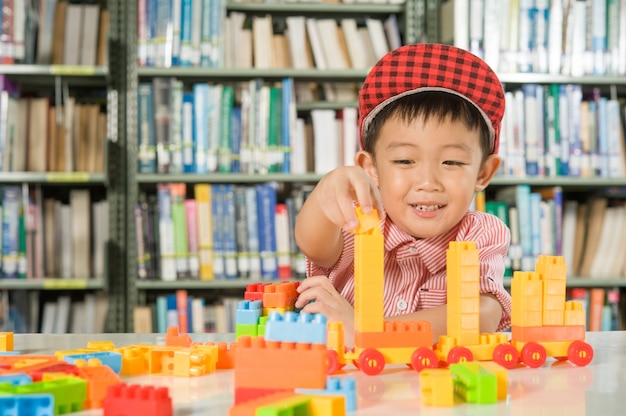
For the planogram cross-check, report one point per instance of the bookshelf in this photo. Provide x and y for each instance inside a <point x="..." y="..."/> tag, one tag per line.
<point x="88" y="82"/>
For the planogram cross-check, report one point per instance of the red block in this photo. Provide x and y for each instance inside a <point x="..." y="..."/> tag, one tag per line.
<point x="133" y="400"/>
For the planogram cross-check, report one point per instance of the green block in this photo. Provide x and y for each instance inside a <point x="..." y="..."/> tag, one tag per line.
<point x="246" y="329"/>
<point x="262" y="322"/>
<point x="293" y="406"/>
<point x="69" y="393"/>
<point x="474" y="383"/>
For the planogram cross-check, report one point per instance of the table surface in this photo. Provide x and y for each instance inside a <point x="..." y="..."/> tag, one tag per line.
<point x="557" y="388"/>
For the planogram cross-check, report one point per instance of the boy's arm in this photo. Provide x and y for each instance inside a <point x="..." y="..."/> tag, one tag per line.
<point x="490" y="315"/>
<point x="318" y="238"/>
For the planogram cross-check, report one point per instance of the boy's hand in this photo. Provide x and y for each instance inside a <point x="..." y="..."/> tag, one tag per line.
<point x="337" y="190"/>
<point x="318" y="295"/>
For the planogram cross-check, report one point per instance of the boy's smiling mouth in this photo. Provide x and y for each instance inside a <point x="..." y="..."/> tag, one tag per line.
<point x="426" y="208"/>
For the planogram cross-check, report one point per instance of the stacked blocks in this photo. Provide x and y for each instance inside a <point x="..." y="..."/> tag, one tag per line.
<point x="27" y="404"/>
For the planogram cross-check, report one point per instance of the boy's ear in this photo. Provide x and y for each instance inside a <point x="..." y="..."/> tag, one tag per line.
<point x="488" y="171"/>
<point x="366" y="161"/>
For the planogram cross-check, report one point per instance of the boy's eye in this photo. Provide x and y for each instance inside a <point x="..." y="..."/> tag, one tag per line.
<point x="453" y="163"/>
<point x="402" y="162"/>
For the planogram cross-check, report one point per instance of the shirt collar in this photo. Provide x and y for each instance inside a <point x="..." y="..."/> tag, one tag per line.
<point x="396" y="238"/>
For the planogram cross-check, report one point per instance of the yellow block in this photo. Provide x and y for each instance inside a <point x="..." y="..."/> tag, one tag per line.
<point x="6" y="341"/>
<point x="574" y="313"/>
<point x="327" y="405"/>
<point x="527" y="299"/>
<point x="436" y="387"/>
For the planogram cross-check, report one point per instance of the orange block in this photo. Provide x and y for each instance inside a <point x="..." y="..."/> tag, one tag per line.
<point x="397" y="334"/>
<point x="99" y="379"/>
<point x="254" y="291"/>
<point x="225" y="356"/>
<point x="279" y="365"/>
<point x="174" y="339"/>
<point x="279" y="295"/>
<point x="548" y="333"/>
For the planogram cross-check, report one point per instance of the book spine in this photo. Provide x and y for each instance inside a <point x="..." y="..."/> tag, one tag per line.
<point x="217" y="197"/>
<point x="266" y="206"/>
<point x="283" y="252"/>
<point x="177" y="11"/>
<point x="175" y="134"/>
<point x="178" y="192"/>
<point x="235" y="140"/>
<point x="225" y="114"/>
<point x="162" y="93"/>
<point x="230" y="232"/>
<point x="252" y="220"/>
<point x="181" y="307"/>
<point x="150" y="242"/>
<point x="147" y="146"/>
<point x="11" y="201"/>
<point x="274" y="130"/>
<point x="191" y="214"/>
<point x="204" y="205"/>
<point x="188" y="134"/>
<point x="241" y="226"/>
<point x="201" y="98"/>
<point x="185" y="33"/>
<point x="205" y="34"/>
<point x="287" y="123"/>
<point x="166" y="234"/>
<point x="213" y="115"/>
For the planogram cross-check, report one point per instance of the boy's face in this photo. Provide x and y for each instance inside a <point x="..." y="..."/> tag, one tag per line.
<point x="427" y="173"/>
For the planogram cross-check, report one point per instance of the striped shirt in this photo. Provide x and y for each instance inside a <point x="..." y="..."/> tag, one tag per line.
<point x="415" y="269"/>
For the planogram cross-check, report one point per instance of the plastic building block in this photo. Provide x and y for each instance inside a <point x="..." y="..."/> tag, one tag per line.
<point x="502" y="378"/>
<point x="336" y="386"/>
<point x="110" y="358"/>
<point x="436" y="387"/>
<point x="10" y="353"/>
<point x="254" y="291"/>
<point x="293" y="327"/>
<point x="27" y="405"/>
<point x="134" y="360"/>
<point x="6" y="341"/>
<point x="101" y="345"/>
<point x="246" y="394"/>
<point x="327" y="406"/>
<point x="249" y="407"/>
<point x="161" y="360"/>
<point x="474" y="383"/>
<point x="197" y="361"/>
<point x="251" y="330"/>
<point x="280" y="295"/>
<point x="463" y="292"/>
<point x="291" y="406"/>
<point x="69" y="393"/>
<point x="132" y="400"/>
<point x="18" y="379"/>
<point x="270" y="364"/>
<point x="53" y="367"/>
<point x="262" y="325"/>
<point x="225" y="355"/>
<point x="174" y="339"/>
<point x="99" y="378"/>
<point x="248" y="312"/>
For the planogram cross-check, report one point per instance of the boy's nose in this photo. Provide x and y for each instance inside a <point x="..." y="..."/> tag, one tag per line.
<point x="426" y="178"/>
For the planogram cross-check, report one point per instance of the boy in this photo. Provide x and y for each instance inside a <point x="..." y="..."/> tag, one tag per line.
<point x="429" y="129"/>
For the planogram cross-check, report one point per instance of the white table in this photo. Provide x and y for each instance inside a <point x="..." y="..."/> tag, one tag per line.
<point x="554" y="389"/>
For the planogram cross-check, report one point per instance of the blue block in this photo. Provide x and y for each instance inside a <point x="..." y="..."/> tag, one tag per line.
<point x="108" y="358"/>
<point x="292" y="327"/>
<point x="9" y="353"/>
<point x="335" y="386"/>
<point x="18" y="379"/>
<point x="249" y="312"/>
<point x="27" y="405"/>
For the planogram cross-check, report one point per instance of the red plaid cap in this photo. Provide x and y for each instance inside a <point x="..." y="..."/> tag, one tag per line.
<point x="432" y="67"/>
